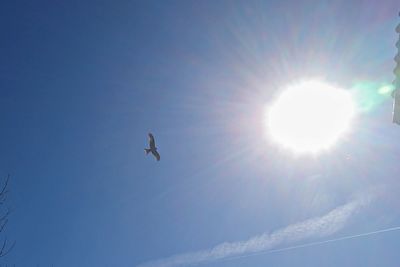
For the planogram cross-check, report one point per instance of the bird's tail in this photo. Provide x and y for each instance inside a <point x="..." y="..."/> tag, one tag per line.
<point x="147" y="150"/>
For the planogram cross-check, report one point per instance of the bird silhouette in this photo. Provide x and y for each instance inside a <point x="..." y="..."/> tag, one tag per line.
<point x="153" y="148"/>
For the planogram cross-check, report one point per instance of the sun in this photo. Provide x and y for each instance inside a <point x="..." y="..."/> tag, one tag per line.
<point x="310" y="117"/>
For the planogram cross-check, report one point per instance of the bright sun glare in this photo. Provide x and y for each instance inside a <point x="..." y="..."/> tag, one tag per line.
<point x="310" y="117"/>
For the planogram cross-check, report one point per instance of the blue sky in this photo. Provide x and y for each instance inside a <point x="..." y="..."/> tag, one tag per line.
<point x="82" y="82"/>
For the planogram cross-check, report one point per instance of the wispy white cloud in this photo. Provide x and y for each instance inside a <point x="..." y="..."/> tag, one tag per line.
<point x="316" y="227"/>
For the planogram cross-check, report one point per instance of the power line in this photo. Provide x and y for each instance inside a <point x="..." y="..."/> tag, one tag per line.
<point x="312" y="244"/>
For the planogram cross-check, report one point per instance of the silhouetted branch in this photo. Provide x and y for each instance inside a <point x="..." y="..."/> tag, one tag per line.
<point x="5" y="216"/>
<point x="5" y="247"/>
<point x="3" y="225"/>
<point x="4" y="250"/>
<point x="4" y="191"/>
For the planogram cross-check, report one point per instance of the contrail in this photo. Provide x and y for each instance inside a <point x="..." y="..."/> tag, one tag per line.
<point x="316" y="227"/>
<point x="312" y="244"/>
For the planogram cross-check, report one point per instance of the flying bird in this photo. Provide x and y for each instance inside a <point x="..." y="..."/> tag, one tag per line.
<point x="153" y="148"/>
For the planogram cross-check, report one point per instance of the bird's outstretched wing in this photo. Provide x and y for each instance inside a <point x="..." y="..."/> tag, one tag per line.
<point x="152" y="143"/>
<point x="155" y="153"/>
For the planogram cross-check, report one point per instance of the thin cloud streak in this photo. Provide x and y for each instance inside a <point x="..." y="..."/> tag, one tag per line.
<point x="316" y="227"/>
<point x="317" y="243"/>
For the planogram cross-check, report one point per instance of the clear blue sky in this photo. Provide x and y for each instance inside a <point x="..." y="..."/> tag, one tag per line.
<point x="82" y="82"/>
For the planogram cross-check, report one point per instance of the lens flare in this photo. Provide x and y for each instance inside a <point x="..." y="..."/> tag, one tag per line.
<point x="369" y="95"/>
